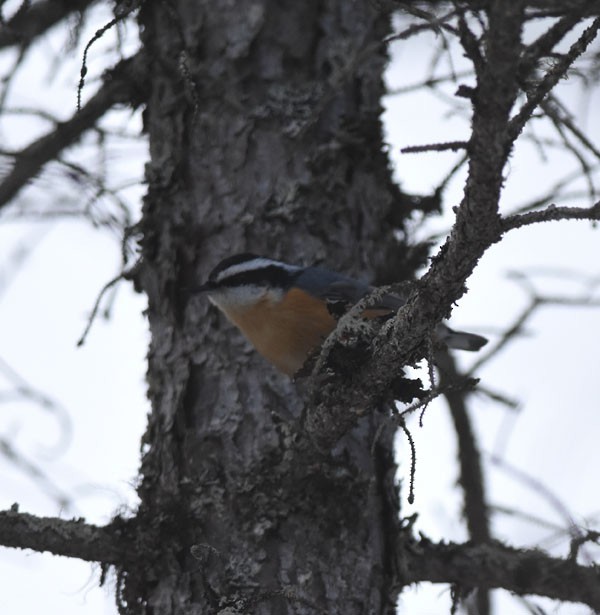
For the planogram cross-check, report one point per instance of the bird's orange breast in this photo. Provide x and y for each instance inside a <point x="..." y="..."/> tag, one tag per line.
<point x="285" y="332"/>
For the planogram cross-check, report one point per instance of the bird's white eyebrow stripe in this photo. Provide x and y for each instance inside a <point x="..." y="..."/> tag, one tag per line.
<point x="253" y="265"/>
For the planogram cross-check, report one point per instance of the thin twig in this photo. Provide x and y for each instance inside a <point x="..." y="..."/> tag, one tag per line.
<point x="124" y="275"/>
<point x="435" y="147"/>
<point x="541" y="489"/>
<point x="98" y="35"/>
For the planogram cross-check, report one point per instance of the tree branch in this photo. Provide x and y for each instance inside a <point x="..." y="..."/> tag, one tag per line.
<point x="494" y="565"/>
<point x="26" y="25"/>
<point x="543" y="45"/>
<point x="337" y="401"/>
<point x="471" y="472"/>
<point x="558" y="8"/>
<point x="74" y="538"/>
<point x="471" y="479"/>
<point x="550" y="79"/>
<point x="435" y="147"/>
<point x="121" y="84"/>
<point x="551" y="213"/>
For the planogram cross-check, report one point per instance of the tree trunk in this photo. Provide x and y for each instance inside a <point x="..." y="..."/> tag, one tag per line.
<point x="265" y="136"/>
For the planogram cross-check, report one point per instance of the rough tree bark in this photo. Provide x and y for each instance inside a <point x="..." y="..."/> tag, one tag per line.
<point x="265" y="136"/>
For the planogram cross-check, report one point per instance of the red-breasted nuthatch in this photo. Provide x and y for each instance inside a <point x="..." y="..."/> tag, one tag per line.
<point x="287" y="311"/>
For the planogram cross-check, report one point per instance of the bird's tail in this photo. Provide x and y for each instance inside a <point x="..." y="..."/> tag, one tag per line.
<point x="460" y="340"/>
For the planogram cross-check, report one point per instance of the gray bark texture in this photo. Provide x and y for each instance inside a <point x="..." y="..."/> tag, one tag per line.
<point x="265" y="135"/>
<point x="264" y="124"/>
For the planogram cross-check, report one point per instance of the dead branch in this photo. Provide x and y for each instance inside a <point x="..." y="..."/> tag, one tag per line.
<point x="25" y="26"/>
<point x="550" y="79"/>
<point x="471" y="478"/>
<point x="73" y="538"/>
<point x="471" y="473"/>
<point x="489" y="565"/>
<point x="536" y="301"/>
<point x="494" y="565"/>
<point x="551" y="213"/>
<point x="123" y="275"/>
<point x="402" y="341"/>
<point x="120" y="85"/>
<point x="454" y="146"/>
<point x="545" y="43"/>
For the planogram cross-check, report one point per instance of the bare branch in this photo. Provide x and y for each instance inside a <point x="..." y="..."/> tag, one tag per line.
<point x="562" y="123"/>
<point x="554" y="193"/>
<point x="556" y="110"/>
<point x="538" y="487"/>
<point x="27" y="25"/>
<point x="469" y="41"/>
<point x="124" y="275"/>
<point x="7" y="80"/>
<point x="471" y="477"/>
<point x="579" y="541"/>
<point x="429" y="82"/>
<point x="551" y="213"/>
<point x="435" y="147"/>
<point x="550" y="79"/>
<point x="557" y="8"/>
<point x="498" y="396"/>
<point x="536" y="301"/>
<point x="119" y="86"/>
<point x="471" y="473"/>
<point x="413" y="461"/>
<point x="338" y="403"/>
<point x="433" y="23"/>
<point x="494" y="565"/>
<point x="73" y="538"/>
<point x="544" y="44"/>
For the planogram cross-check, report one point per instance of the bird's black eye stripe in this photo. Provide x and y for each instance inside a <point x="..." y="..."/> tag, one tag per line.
<point x="229" y="262"/>
<point x="272" y="276"/>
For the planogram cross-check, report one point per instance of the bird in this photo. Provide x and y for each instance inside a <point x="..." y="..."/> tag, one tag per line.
<point x="287" y="311"/>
